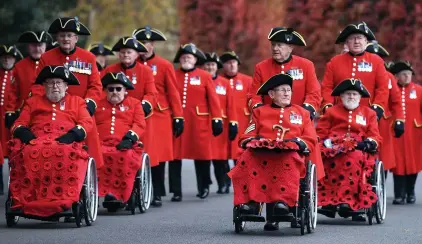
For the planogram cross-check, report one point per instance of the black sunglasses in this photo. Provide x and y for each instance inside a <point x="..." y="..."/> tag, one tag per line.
<point x="112" y="89"/>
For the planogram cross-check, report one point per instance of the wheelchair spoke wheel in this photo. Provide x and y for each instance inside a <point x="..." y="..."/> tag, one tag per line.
<point x="145" y="184"/>
<point x="90" y="196"/>
<point x="380" y="205"/>
<point x="239" y="225"/>
<point x="312" y="212"/>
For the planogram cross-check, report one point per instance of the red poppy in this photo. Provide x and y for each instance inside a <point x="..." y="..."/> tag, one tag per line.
<point x="36" y="182"/>
<point x="58" y="179"/>
<point x="104" y="192"/>
<point x="71" y="181"/>
<point x="108" y="171"/>
<point x="15" y="186"/>
<point x="46" y="180"/>
<point x="47" y="153"/>
<point x="116" y="183"/>
<point x="73" y="156"/>
<point x="128" y="174"/>
<point x="123" y="185"/>
<point x="121" y="160"/>
<point x="34" y="153"/>
<point x="47" y="166"/>
<point x="59" y="152"/>
<point x="26" y="182"/>
<point x="44" y="192"/>
<point x="71" y="192"/>
<point x="35" y="166"/>
<point x="72" y="168"/>
<point x="47" y="128"/>
<point x="13" y="174"/>
<point x="58" y="191"/>
<point x="47" y="141"/>
<point x="119" y="172"/>
<point x="59" y="166"/>
<point x="106" y="182"/>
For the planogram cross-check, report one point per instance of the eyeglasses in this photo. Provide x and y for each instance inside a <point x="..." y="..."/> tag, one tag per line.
<point x="283" y="90"/>
<point x="68" y="35"/>
<point x="112" y="89"/>
<point x="52" y="84"/>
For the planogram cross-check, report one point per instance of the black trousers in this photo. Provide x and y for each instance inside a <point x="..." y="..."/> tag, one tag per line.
<point x="175" y="177"/>
<point x="203" y="175"/>
<point x="221" y="168"/>
<point x="158" y="177"/>
<point x="404" y="185"/>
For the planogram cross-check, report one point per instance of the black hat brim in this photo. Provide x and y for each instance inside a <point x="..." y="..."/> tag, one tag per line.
<point x="187" y="50"/>
<point x="400" y="66"/>
<point x="227" y="57"/>
<point x="96" y="51"/>
<point x="274" y="81"/>
<point x="33" y="37"/>
<point x="353" y="29"/>
<point x="351" y="84"/>
<point x="117" y="78"/>
<point x="126" y="42"/>
<point x="68" y="25"/>
<point x="280" y="35"/>
<point x="380" y="51"/>
<point x="57" y="72"/>
<point x="10" y="51"/>
<point x="152" y="35"/>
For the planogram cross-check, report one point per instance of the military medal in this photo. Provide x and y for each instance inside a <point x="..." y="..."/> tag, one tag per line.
<point x="220" y="90"/>
<point x="62" y="105"/>
<point x="195" y="80"/>
<point x="412" y="94"/>
<point x="122" y="107"/>
<point x="154" y="69"/>
<point x="134" y="78"/>
<point x="239" y="85"/>
<point x="295" y="118"/>
<point x="360" y="119"/>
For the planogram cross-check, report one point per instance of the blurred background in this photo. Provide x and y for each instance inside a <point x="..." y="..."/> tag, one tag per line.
<point x="219" y="25"/>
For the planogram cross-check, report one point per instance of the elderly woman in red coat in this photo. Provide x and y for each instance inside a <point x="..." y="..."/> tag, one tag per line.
<point x="48" y="162"/>
<point x="121" y="125"/>
<point x="347" y="131"/>
<point x="263" y="174"/>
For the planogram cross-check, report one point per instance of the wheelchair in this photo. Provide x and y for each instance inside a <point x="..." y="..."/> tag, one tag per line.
<point x="141" y="192"/>
<point x="83" y="210"/>
<point x="303" y="215"/>
<point x="378" y="209"/>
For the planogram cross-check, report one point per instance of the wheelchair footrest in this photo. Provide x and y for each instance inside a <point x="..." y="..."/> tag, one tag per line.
<point x="281" y="218"/>
<point x="252" y="218"/>
<point x="114" y="204"/>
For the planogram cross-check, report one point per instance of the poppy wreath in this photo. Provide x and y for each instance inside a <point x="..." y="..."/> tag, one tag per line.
<point x="272" y="144"/>
<point x="340" y="144"/>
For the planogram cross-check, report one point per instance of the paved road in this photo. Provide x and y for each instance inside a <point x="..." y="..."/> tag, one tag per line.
<point x="210" y="221"/>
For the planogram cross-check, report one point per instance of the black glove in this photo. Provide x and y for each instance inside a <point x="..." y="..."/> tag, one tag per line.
<point x="378" y="110"/>
<point x="301" y="144"/>
<point x="310" y="109"/>
<point x="178" y="126"/>
<point x="398" y="128"/>
<point x="244" y="142"/>
<point x="324" y="109"/>
<point x="125" y="144"/>
<point x="257" y="105"/>
<point x="24" y="134"/>
<point x="147" y="108"/>
<point x="366" y="146"/>
<point x="217" y="127"/>
<point x="233" y="130"/>
<point x="76" y="134"/>
<point x="10" y="118"/>
<point x="91" y="107"/>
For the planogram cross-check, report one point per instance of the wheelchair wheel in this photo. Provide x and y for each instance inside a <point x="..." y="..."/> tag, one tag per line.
<point x="90" y="193"/>
<point x="302" y="221"/>
<point x="239" y="225"/>
<point x="76" y="209"/>
<point x="370" y="215"/>
<point x="312" y="208"/>
<point x="380" y="207"/>
<point x="11" y="220"/>
<point x="144" y="185"/>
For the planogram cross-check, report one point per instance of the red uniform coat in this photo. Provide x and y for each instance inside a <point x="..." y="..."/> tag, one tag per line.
<point x="169" y="106"/>
<point x="143" y="80"/>
<point x="38" y="111"/>
<point x="83" y="65"/>
<point x="200" y="105"/>
<point x="241" y="85"/>
<point x="7" y="78"/>
<point x="392" y="113"/>
<point x="306" y="88"/>
<point x="220" y="144"/>
<point x="117" y="120"/>
<point x="26" y="72"/>
<point x="408" y="148"/>
<point x="338" y="121"/>
<point x="368" y="67"/>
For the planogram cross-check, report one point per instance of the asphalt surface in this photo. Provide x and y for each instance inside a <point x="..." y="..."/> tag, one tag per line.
<point x="210" y="221"/>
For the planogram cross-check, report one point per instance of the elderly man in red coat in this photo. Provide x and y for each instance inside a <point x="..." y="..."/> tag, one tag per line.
<point x="202" y="118"/>
<point x="408" y="147"/>
<point x="357" y="64"/>
<point x="392" y="122"/>
<point x="101" y="52"/>
<point x="82" y="63"/>
<point x="240" y="85"/>
<point x="49" y="176"/>
<point x="307" y="90"/>
<point x="121" y="124"/>
<point x="26" y="71"/>
<point x="168" y="113"/>
<point x="345" y="127"/>
<point x="268" y="175"/>
<point x="220" y="144"/>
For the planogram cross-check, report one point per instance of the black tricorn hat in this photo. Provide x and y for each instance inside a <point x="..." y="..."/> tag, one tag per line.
<point x="400" y="66"/>
<point x="376" y="48"/>
<point x="360" y="28"/>
<point x="68" y="25"/>
<point x="10" y="50"/>
<point x="129" y="42"/>
<point x="286" y="35"/>
<point x="350" y="84"/>
<point x="117" y="78"/>
<point x="34" y="37"/>
<point x="190" y="48"/>
<point x="274" y="81"/>
<point x="388" y="65"/>
<point x="147" y="33"/>
<point x="53" y="71"/>
<point x="100" y="49"/>
<point x="229" y="55"/>
<point x="213" y="57"/>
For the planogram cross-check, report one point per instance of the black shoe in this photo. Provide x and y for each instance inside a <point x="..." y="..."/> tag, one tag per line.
<point x="157" y="202"/>
<point x="109" y="197"/>
<point x="204" y="193"/>
<point x="344" y="210"/>
<point x="359" y="218"/>
<point x="398" y="201"/>
<point x="411" y="199"/>
<point x="223" y="190"/>
<point x="249" y="208"/>
<point x="271" y="226"/>
<point x="176" y="198"/>
<point x="227" y="190"/>
<point x="281" y="208"/>
<point x="329" y="211"/>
